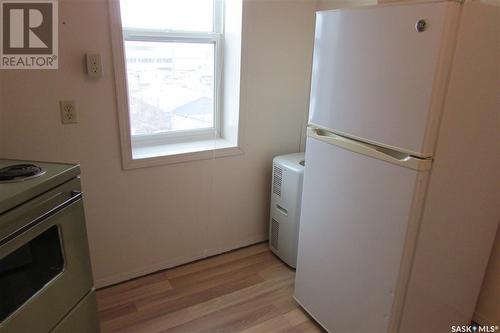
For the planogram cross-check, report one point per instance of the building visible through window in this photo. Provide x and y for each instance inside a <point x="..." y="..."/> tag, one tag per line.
<point x="172" y="53"/>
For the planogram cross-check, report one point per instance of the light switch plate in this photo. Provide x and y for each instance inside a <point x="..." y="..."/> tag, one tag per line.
<point x="94" y="65"/>
<point x="68" y="112"/>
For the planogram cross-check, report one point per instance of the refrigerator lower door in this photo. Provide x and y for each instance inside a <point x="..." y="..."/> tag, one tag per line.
<point x="356" y="210"/>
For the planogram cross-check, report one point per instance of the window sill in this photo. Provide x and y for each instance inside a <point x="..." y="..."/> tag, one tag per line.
<point x="152" y="155"/>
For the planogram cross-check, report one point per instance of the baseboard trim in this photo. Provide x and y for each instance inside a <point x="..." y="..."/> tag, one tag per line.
<point x="171" y="263"/>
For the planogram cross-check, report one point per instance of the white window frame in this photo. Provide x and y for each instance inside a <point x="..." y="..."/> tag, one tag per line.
<point x="176" y="36"/>
<point x="206" y="143"/>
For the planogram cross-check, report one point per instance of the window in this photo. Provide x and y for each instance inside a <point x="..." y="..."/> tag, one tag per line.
<point x="172" y="52"/>
<point x="172" y="71"/>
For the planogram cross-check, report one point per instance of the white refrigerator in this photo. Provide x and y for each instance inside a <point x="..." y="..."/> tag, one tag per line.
<point x="398" y="131"/>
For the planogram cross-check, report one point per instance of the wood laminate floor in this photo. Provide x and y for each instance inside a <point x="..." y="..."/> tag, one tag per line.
<point x="248" y="290"/>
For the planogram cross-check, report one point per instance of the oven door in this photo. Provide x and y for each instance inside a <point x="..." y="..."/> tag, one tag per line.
<point x="45" y="269"/>
<point x="82" y="319"/>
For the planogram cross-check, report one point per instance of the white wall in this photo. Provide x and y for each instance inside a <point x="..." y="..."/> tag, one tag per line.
<point x="147" y="219"/>
<point x="488" y="307"/>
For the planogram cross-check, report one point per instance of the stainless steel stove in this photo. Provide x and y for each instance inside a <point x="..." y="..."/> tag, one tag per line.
<point x="45" y="275"/>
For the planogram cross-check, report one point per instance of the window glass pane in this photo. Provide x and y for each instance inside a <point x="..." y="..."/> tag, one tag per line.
<point x="171" y="86"/>
<point x="187" y="15"/>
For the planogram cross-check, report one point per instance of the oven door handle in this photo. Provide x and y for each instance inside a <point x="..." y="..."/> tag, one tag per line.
<point x="75" y="196"/>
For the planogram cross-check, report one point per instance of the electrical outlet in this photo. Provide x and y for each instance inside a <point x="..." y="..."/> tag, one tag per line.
<point x="94" y="65"/>
<point x="68" y="112"/>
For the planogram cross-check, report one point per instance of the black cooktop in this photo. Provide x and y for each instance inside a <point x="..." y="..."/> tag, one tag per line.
<point x="20" y="172"/>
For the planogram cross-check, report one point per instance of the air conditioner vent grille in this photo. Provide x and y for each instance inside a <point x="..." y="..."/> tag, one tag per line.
<point x="277" y="180"/>
<point x="275" y="230"/>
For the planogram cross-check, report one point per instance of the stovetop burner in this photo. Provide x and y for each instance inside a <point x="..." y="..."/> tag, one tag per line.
<point x="20" y="172"/>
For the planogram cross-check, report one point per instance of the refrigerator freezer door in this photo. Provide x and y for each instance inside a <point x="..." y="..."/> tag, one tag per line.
<point x="375" y="76"/>
<point x="355" y="213"/>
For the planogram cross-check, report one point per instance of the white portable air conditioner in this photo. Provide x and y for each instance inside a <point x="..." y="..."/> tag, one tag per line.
<point x="286" y="194"/>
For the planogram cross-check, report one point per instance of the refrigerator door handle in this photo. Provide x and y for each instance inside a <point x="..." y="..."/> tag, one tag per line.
<point x="381" y="153"/>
